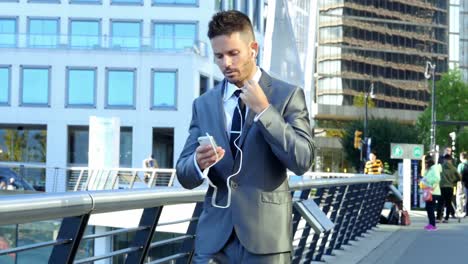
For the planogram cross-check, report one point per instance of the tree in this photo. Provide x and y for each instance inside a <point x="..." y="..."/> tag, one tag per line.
<point x="382" y="132"/>
<point x="451" y="105"/>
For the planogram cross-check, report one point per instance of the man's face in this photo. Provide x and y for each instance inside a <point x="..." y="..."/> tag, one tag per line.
<point x="233" y="55"/>
<point x="372" y="157"/>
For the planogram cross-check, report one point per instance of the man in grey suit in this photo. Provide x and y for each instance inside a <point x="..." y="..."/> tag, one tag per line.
<point x="249" y="221"/>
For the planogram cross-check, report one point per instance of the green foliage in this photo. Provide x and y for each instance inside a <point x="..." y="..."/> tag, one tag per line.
<point x="451" y="105"/>
<point x="360" y="99"/>
<point x="383" y="132"/>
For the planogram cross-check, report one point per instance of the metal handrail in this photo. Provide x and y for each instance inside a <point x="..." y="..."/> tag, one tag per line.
<point x="37" y="207"/>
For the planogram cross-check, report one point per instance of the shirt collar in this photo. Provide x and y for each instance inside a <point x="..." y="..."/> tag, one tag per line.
<point x="231" y="88"/>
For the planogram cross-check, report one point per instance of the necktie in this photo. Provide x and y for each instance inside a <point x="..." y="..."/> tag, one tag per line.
<point x="237" y="120"/>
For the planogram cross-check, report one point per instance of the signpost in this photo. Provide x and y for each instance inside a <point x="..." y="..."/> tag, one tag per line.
<point x="406" y="152"/>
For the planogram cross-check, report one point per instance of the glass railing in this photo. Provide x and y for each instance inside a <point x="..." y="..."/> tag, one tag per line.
<point x="94" y="42"/>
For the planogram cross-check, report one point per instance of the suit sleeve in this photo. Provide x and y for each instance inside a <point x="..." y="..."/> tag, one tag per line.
<point x="289" y="135"/>
<point x="187" y="173"/>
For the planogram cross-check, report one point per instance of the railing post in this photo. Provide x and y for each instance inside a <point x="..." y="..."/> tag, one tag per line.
<point x="72" y="229"/>
<point x="142" y="240"/>
<point x="188" y="245"/>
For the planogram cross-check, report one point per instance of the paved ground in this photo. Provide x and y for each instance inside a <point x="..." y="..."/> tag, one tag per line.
<point x="409" y="244"/>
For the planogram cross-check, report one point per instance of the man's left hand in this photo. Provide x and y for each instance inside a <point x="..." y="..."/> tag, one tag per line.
<point x="254" y="97"/>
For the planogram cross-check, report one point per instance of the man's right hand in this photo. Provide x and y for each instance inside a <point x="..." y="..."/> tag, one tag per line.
<point x="206" y="155"/>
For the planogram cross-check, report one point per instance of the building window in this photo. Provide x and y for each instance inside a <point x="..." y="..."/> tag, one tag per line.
<point x="175" y="2"/>
<point x="174" y="35"/>
<point x="8" y="32"/>
<point x="44" y="1"/>
<point x="23" y="143"/>
<point x="125" y="34"/>
<point x="164" y="89"/>
<point x="78" y="145"/>
<point x="81" y="87"/>
<point x="126" y="142"/>
<point x="163" y="146"/>
<point x="35" y="86"/>
<point x="120" y="88"/>
<point x="126" y="2"/>
<point x="203" y="84"/>
<point x="5" y="83"/>
<point x="95" y="2"/>
<point x="85" y="33"/>
<point x="43" y="32"/>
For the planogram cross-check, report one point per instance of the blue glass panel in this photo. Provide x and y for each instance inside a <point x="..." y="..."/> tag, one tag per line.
<point x="35" y="86"/>
<point x="126" y="1"/>
<point x="126" y="34"/>
<point x="174" y="36"/>
<point x="163" y="36"/>
<point x="185" y="35"/>
<point x="84" y="33"/>
<point x="86" y="1"/>
<point x="43" y="32"/>
<point x="176" y="2"/>
<point x="120" y="88"/>
<point x="7" y="32"/>
<point x="164" y="89"/>
<point x="81" y="85"/>
<point x="4" y="85"/>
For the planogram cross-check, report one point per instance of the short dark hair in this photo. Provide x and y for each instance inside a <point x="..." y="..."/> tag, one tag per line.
<point x="463" y="155"/>
<point x="228" y="22"/>
<point x="429" y="160"/>
<point x="447" y="157"/>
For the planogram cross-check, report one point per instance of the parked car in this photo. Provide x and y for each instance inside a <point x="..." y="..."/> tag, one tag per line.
<point x="10" y="177"/>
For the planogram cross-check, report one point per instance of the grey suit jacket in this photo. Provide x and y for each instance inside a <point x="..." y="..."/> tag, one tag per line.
<point x="261" y="206"/>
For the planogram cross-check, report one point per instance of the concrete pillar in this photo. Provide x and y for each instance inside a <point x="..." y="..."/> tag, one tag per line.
<point x="56" y="157"/>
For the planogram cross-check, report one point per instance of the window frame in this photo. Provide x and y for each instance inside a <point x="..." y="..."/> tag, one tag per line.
<point x="173" y="22"/>
<point x="20" y="99"/>
<point x="78" y="2"/>
<point x="176" y="89"/>
<point x="106" y="98"/>
<point x="79" y="19"/>
<point x="44" y="2"/>
<point x="197" y="4"/>
<point x="112" y="3"/>
<point x="8" y="67"/>
<point x="67" y="87"/>
<point x="28" y="31"/>
<point x="16" y="18"/>
<point x="111" y="33"/>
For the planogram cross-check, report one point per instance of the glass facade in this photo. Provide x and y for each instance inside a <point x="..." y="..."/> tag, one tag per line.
<point x="363" y="42"/>
<point x="164" y="89"/>
<point x="120" y="88"/>
<point x="35" y="86"/>
<point x="174" y="35"/>
<point x="43" y="32"/>
<point x="84" y="33"/>
<point x="81" y="87"/>
<point x="5" y="85"/>
<point x="23" y="143"/>
<point x="78" y="143"/>
<point x="8" y="31"/>
<point x="125" y="34"/>
<point x="127" y="2"/>
<point x="175" y="2"/>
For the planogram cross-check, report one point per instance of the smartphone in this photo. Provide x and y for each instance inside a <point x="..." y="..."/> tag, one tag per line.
<point x="207" y="140"/>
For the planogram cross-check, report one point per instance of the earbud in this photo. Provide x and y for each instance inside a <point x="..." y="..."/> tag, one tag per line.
<point x="254" y="54"/>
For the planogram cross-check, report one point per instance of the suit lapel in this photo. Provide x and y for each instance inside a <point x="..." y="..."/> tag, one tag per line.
<point x="265" y="84"/>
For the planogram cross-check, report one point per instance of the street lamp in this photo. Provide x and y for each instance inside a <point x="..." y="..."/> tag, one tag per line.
<point x="366" y="97"/>
<point x="428" y="75"/>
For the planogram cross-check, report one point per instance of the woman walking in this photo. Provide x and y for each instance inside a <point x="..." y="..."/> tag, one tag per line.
<point x="431" y="187"/>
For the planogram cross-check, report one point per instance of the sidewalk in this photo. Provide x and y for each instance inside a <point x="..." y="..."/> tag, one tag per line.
<point x="389" y="244"/>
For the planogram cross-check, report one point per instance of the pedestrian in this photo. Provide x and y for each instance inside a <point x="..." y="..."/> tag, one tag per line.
<point x="374" y="165"/>
<point x="149" y="163"/>
<point x="463" y="171"/>
<point x="430" y="185"/>
<point x="448" y="180"/>
<point x="3" y="185"/>
<point x="261" y="129"/>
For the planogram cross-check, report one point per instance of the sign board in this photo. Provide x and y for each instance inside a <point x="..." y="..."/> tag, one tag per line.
<point x="406" y="151"/>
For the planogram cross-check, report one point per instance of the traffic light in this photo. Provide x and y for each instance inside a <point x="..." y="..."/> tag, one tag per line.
<point x="357" y="139"/>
